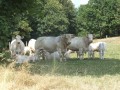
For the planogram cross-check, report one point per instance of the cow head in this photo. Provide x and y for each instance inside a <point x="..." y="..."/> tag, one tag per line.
<point x="67" y="38"/>
<point x="90" y="38"/>
<point x="18" y="40"/>
<point x="18" y="37"/>
<point x="65" y="41"/>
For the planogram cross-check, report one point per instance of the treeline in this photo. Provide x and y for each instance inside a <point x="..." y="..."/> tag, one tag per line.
<point x="101" y="17"/>
<point x="34" y="18"/>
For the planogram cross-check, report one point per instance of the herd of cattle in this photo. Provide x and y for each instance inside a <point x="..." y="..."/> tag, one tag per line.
<point x="55" y="48"/>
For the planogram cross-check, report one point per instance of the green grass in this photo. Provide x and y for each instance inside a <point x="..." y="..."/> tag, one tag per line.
<point x="75" y="67"/>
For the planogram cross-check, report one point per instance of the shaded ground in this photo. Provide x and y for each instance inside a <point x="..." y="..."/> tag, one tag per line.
<point x="76" y="67"/>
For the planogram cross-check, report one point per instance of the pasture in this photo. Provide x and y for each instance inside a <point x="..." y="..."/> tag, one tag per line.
<point x="74" y="74"/>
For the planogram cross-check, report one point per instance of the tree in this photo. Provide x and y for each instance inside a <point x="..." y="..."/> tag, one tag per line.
<point x="54" y="21"/>
<point x="13" y="19"/>
<point x="34" y="17"/>
<point x="70" y="12"/>
<point x="4" y="29"/>
<point x="98" y="17"/>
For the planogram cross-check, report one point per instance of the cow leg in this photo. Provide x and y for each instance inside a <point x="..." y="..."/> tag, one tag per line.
<point x="60" y="53"/>
<point x="30" y="52"/>
<point x="93" y="54"/>
<point x="61" y="56"/>
<point x="64" y="56"/>
<point x="38" y="54"/>
<point x="77" y="54"/>
<point x="101" y="53"/>
<point x="81" y="54"/>
<point x="43" y="54"/>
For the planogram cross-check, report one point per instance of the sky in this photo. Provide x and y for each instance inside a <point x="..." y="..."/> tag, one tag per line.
<point x="77" y="3"/>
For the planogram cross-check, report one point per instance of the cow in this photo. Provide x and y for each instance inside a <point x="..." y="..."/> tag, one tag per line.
<point x="53" y="56"/>
<point x="16" y="46"/>
<point x="24" y="58"/>
<point x="31" y="45"/>
<point x="27" y="50"/>
<point x="80" y="44"/>
<point x="52" y="44"/>
<point x="99" y="47"/>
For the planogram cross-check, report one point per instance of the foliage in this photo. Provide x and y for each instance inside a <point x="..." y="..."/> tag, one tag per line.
<point x="54" y="21"/>
<point x="5" y="57"/>
<point x="100" y="17"/>
<point x="13" y="19"/>
<point x="4" y="29"/>
<point x="70" y="13"/>
<point x="34" y="18"/>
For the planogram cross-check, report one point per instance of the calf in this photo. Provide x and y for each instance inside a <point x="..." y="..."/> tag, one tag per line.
<point x="24" y="58"/>
<point x="31" y="45"/>
<point x="99" y="47"/>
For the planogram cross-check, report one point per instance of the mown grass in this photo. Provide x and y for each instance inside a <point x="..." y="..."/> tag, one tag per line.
<point x="74" y="74"/>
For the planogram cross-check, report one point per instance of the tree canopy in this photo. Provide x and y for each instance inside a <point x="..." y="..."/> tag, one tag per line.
<point x="101" y="17"/>
<point x="34" y="18"/>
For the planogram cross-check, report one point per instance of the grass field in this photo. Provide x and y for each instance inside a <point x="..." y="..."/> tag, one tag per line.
<point x="73" y="74"/>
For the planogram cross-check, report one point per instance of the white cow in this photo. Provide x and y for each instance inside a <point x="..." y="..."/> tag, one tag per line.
<point x="80" y="44"/>
<point x="30" y="48"/>
<point x="31" y="45"/>
<point x="16" y="46"/>
<point x="27" y="50"/>
<point x="99" y="47"/>
<point x="53" y="56"/>
<point x="52" y="44"/>
<point x="24" y="58"/>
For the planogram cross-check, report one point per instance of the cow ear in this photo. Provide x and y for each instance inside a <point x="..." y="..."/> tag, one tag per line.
<point x="13" y="38"/>
<point x="18" y="37"/>
<point x="22" y="37"/>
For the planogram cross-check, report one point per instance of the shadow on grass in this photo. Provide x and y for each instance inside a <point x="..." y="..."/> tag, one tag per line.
<point x="75" y="67"/>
